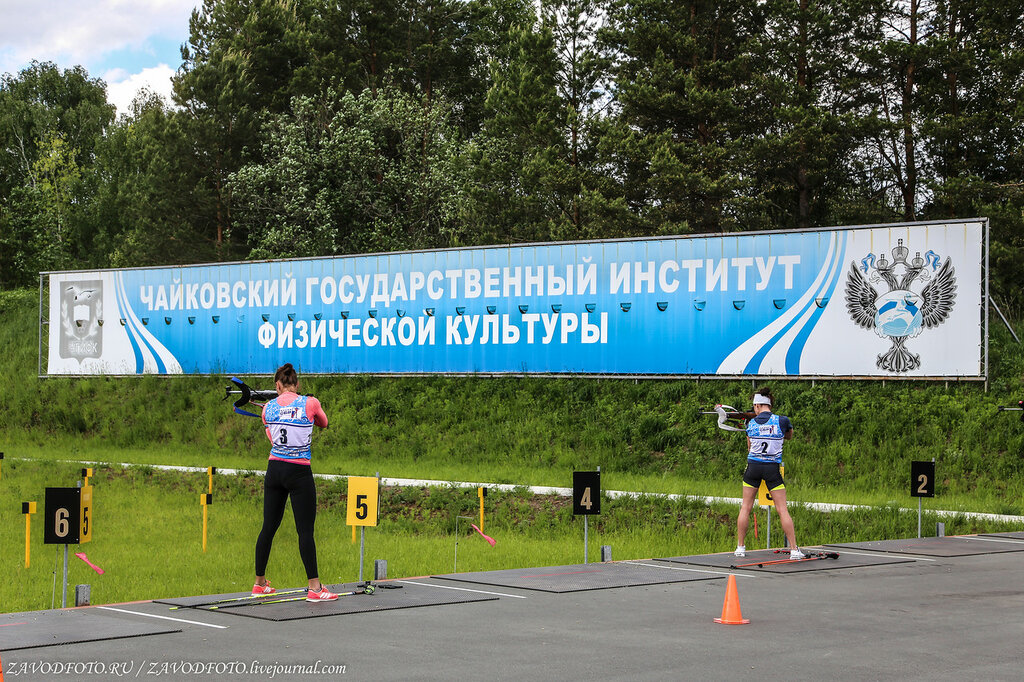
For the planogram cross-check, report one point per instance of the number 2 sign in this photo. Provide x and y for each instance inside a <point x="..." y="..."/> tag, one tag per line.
<point x="922" y="479"/>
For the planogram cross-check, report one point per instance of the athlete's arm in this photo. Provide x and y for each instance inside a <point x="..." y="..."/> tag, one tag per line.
<point x="315" y="412"/>
<point x="263" y="416"/>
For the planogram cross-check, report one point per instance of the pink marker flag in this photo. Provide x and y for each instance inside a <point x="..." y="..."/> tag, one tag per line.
<point x="81" y="555"/>
<point x="485" y="537"/>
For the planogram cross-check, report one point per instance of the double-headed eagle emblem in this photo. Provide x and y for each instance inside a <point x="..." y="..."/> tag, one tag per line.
<point x="900" y="313"/>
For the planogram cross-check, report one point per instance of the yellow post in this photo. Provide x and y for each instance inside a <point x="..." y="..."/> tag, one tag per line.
<point x="210" y="471"/>
<point x="353" y="535"/>
<point x="1" y="462"/>
<point x="86" y="475"/>
<point x="204" y="500"/>
<point x="481" y="493"/>
<point x="28" y="509"/>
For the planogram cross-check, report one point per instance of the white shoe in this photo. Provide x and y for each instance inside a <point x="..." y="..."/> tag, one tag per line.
<point x="741" y="551"/>
<point x="797" y="554"/>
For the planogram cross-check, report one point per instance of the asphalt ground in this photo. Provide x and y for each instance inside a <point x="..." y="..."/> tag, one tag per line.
<point x="932" y="617"/>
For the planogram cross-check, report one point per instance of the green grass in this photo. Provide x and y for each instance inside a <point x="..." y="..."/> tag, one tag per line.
<point x="147" y="527"/>
<point x="854" y="443"/>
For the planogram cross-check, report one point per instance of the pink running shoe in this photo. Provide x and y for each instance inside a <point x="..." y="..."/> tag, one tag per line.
<point x="260" y="590"/>
<point x="323" y="595"/>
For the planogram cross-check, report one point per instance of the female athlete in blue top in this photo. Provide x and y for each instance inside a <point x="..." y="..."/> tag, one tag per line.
<point x="766" y="433"/>
<point x="289" y="419"/>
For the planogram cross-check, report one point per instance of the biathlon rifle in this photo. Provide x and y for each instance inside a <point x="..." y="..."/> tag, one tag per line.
<point x="248" y="395"/>
<point x="1019" y="408"/>
<point x="729" y="418"/>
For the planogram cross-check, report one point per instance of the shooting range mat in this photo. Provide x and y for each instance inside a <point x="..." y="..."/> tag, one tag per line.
<point x="578" y="577"/>
<point x="50" y="628"/>
<point x="727" y="560"/>
<point x="383" y="599"/>
<point x="949" y="546"/>
<point x="1015" y="535"/>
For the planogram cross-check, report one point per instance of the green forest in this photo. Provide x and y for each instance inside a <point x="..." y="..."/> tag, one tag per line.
<point x="307" y="128"/>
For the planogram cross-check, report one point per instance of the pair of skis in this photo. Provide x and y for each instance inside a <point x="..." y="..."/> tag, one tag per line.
<point x="812" y="556"/>
<point x="278" y="597"/>
<point x="261" y="600"/>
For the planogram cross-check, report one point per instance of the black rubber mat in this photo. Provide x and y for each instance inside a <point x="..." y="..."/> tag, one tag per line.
<point x="207" y="599"/>
<point x="949" y="546"/>
<point x="50" y="628"/>
<point x="757" y="560"/>
<point x="383" y="599"/>
<point x="1014" y="535"/>
<point x="578" y="577"/>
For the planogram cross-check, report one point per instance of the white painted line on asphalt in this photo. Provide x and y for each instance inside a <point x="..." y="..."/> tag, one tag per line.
<point x="880" y="553"/>
<point x="463" y="589"/>
<point x="978" y="537"/>
<point x="153" y="615"/>
<point x="695" y="570"/>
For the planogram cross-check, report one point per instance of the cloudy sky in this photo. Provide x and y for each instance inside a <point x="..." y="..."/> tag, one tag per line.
<point x="130" y="44"/>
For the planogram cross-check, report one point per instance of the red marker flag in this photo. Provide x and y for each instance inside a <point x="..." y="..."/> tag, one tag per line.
<point x="485" y="537"/>
<point x="81" y="555"/>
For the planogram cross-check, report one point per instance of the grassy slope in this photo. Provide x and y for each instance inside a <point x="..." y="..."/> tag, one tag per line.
<point x="854" y="440"/>
<point x="148" y="529"/>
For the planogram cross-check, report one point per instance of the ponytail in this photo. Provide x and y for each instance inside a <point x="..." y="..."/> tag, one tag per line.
<point x="287" y="376"/>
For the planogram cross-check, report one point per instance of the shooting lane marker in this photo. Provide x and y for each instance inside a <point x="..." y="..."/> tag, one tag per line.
<point x="362" y="508"/>
<point x="481" y="493"/>
<point x="491" y="541"/>
<point x="67" y="519"/>
<point x="922" y="484"/>
<point x="586" y="500"/>
<point x="28" y="509"/>
<point x="206" y="500"/>
<point x="1" y="477"/>
<point x="83" y="557"/>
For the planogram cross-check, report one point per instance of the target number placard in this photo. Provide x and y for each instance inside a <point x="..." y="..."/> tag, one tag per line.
<point x="922" y="479"/>
<point x="586" y="493"/>
<point x="68" y="516"/>
<point x="362" y="501"/>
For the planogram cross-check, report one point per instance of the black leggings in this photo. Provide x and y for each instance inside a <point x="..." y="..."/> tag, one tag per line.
<point x="285" y="479"/>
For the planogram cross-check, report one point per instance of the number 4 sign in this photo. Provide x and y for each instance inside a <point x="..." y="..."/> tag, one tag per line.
<point x="586" y="493"/>
<point x="362" y="501"/>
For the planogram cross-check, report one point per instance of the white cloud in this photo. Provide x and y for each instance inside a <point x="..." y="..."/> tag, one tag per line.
<point x="83" y="31"/>
<point x="128" y="43"/>
<point x="122" y="87"/>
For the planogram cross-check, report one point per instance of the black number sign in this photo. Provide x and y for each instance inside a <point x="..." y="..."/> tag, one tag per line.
<point x="62" y="522"/>
<point x="586" y="493"/>
<point x="922" y="479"/>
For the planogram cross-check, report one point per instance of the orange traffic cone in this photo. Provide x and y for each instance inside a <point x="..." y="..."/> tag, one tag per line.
<point x="731" y="614"/>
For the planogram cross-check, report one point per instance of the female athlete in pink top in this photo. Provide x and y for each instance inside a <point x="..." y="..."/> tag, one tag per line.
<point x="290" y="419"/>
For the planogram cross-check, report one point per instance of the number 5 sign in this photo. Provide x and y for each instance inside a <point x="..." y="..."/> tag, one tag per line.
<point x="362" y="501"/>
<point x="586" y="493"/>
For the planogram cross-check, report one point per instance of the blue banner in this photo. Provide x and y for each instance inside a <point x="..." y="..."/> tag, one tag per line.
<point x="747" y="304"/>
